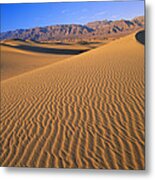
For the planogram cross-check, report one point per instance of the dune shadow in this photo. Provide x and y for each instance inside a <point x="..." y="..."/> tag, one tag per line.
<point x="88" y="43"/>
<point x="51" y="43"/>
<point x="140" y="36"/>
<point x="47" y="50"/>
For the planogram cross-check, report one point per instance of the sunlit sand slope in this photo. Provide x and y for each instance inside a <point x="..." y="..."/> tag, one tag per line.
<point x="18" y="57"/>
<point x="84" y="112"/>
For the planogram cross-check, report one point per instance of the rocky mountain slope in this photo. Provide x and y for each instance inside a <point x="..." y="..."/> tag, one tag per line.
<point x="92" y="30"/>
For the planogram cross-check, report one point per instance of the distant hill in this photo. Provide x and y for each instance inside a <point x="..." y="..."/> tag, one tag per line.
<point x="72" y="32"/>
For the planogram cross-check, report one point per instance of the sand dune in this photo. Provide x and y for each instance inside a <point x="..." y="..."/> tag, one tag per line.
<point x="47" y="50"/>
<point x="18" y="56"/>
<point x="86" y="111"/>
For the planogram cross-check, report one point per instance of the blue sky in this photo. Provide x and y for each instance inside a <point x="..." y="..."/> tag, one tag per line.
<point x="21" y="16"/>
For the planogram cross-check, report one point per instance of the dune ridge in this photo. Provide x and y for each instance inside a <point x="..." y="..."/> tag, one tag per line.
<point x="18" y="57"/>
<point x="84" y="112"/>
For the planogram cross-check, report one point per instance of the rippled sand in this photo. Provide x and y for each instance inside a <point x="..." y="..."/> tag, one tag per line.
<point x="84" y="112"/>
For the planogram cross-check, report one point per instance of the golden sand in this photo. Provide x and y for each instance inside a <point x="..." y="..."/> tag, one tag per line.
<point x="15" y="61"/>
<point x="84" y="112"/>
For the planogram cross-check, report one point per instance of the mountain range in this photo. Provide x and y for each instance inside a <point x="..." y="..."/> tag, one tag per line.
<point x="73" y="32"/>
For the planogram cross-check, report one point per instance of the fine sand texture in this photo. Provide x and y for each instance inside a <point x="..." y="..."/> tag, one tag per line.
<point x="84" y="112"/>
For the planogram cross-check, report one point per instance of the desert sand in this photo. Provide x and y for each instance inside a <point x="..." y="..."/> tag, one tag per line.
<point x="86" y="111"/>
<point x="18" y="57"/>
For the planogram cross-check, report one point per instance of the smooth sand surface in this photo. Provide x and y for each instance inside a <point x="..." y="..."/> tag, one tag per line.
<point x="15" y="62"/>
<point x="84" y="112"/>
<point x="18" y="57"/>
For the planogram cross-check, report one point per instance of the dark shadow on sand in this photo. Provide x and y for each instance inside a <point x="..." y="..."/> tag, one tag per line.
<point x="140" y="36"/>
<point x="47" y="50"/>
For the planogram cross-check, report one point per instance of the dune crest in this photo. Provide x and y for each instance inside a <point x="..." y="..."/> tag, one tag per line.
<point x="84" y="112"/>
<point x="18" y="57"/>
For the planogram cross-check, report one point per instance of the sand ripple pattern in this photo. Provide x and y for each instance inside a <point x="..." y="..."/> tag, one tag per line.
<point x="84" y="112"/>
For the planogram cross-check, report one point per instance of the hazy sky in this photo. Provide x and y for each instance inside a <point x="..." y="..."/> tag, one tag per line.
<point x="16" y="16"/>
